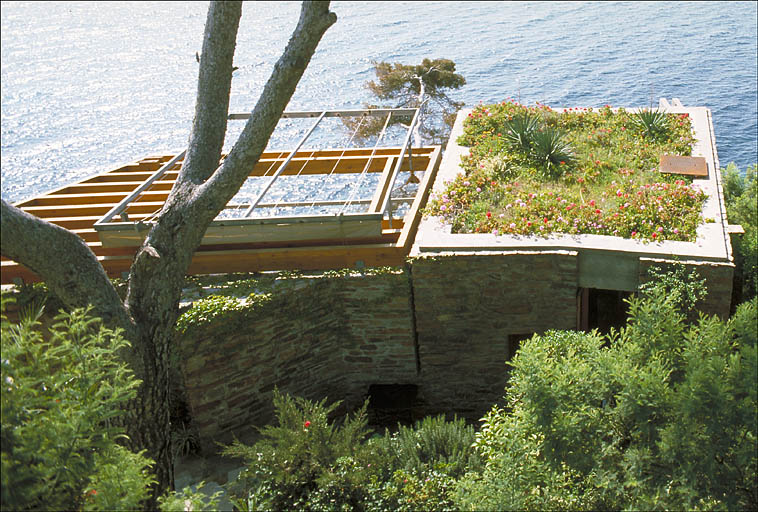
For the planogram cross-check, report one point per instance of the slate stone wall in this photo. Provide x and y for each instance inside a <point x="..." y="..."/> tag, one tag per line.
<point x="445" y="324"/>
<point x="470" y="313"/>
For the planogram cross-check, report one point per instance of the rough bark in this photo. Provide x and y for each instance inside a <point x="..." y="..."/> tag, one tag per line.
<point x="157" y="275"/>
<point x="69" y="268"/>
<point x="201" y="191"/>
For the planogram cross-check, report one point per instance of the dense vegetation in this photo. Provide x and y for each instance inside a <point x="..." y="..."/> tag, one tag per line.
<point x="741" y="195"/>
<point x="661" y="415"/>
<point x="61" y="396"/>
<point x="535" y="171"/>
<point x="63" y="391"/>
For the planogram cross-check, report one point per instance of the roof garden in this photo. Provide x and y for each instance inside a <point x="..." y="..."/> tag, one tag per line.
<point x="622" y="181"/>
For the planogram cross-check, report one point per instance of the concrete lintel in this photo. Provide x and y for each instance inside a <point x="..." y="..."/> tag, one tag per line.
<point x="608" y="271"/>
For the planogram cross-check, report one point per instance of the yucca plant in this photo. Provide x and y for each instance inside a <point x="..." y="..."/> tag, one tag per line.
<point x="519" y="131"/>
<point x="652" y="123"/>
<point x="551" y="151"/>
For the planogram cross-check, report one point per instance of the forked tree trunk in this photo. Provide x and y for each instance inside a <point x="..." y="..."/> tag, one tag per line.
<point x="200" y="193"/>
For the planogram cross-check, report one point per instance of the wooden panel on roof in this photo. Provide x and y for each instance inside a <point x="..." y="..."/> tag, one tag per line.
<point x="686" y="165"/>
<point x="277" y="243"/>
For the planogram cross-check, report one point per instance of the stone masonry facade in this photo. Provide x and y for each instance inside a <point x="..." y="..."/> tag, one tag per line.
<point x="446" y="324"/>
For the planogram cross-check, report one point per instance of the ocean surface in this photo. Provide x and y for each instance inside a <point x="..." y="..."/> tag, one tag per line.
<point x="87" y="86"/>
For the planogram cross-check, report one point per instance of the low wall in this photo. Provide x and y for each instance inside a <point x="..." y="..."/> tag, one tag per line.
<point x="317" y="337"/>
<point x="446" y="324"/>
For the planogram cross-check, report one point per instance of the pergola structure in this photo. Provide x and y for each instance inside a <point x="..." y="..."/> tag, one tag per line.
<point x="370" y="221"/>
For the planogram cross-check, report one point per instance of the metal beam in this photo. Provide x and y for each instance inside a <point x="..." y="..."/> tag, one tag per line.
<point x="116" y="210"/>
<point x="283" y="166"/>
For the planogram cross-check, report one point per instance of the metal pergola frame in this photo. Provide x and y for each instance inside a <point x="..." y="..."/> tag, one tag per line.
<point x="106" y="223"/>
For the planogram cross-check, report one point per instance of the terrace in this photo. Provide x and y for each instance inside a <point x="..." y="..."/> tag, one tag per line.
<point x="604" y="265"/>
<point x="301" y="208"/>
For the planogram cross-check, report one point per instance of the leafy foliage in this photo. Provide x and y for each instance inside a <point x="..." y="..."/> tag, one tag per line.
<point x="551" y="151"/>
<point x="661" y="415"/>
<point x="60" y="397"/>
<point x="285" y="466"/>
<point x="189" y="499"/>
<point x="307" y="462"/>
<point x="741" y="196"/>
<point x="431" y="443"/>
<point x="534" y="171"/>
<point x="520" y="130"/>
<point x="424" y="86"/>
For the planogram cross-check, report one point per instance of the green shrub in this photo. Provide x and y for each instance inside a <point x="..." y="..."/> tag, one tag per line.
<point x="188" y="500"/>
<point x="284" y="467"/>
<point x="661" y="415"/>
<point x="431" y="444"/>
<point x="59" y="400"/>
<point x="520" y="130"/>
<point x="741" y="196"/>
<point x="652" y="123"/>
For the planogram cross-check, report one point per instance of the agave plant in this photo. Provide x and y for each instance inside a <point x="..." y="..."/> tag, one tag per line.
<point x="551" y="151"/>
<point x="651" y="122"/>
<point x="519" y="131"/>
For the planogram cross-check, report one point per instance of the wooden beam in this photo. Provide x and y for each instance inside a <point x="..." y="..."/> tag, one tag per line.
<point x="384" y="183"/>
<point x="89" y="209"/>
<point x="413" y="217"/>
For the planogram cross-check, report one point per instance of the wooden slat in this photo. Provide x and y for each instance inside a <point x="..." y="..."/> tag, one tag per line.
<point x="111" y="187"/>
<point x="90" y="209"/>
<point x="97" y="197"/>
<point x="413" y="217"/>
<point x="685" y="165"/>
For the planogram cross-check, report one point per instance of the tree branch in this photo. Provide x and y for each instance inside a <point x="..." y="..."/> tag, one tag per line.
<point x="213" y="87"/>
<point x="64" y="262"/>
<point x="315" y="19"/>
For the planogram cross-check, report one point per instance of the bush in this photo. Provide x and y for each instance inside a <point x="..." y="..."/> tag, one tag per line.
<point x="284" y="468"/>
<point x="661" y="415"/>
<point x="306" y="461"/>
<point x="59" y="399"/>
<point x="741" y="196"/>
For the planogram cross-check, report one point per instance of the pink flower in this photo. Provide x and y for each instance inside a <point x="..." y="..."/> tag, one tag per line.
<point x="306" y="424"/>
<point x="513" y="225"/>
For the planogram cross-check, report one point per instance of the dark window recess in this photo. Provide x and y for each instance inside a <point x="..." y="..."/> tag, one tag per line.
<point x="390" y="404"/>
<point x="514" y="343"/>
<point x="602" y="309"/>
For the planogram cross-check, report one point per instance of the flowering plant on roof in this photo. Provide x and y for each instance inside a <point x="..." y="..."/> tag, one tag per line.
<point x="603" y="180"/>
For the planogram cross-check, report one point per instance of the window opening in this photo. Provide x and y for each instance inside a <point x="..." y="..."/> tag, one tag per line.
<point x="602" y="309"/>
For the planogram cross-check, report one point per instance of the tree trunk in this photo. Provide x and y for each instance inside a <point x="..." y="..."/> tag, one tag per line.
<point x="200" y="193"/>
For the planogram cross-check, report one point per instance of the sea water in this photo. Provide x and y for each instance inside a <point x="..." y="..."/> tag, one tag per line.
<point x="87" y="86"/>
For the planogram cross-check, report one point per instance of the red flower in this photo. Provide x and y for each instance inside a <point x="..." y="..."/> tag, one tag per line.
<point x="489" y="215"/>
<point x="307" y="424"/>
